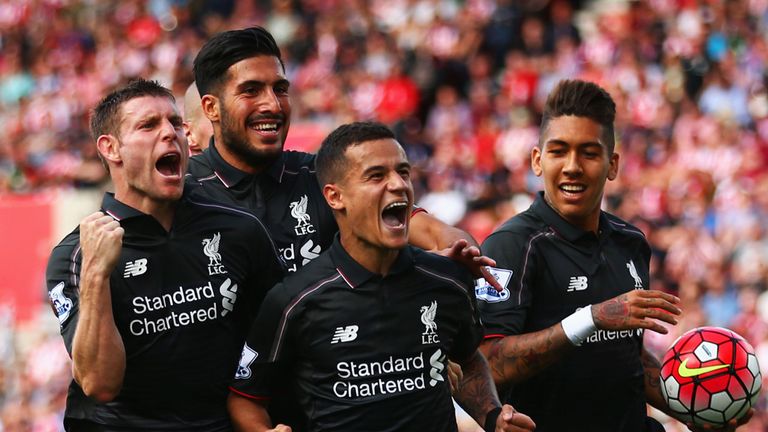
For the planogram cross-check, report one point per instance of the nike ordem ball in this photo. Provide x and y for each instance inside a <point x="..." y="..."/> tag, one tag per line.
<point x="709" y="376"/>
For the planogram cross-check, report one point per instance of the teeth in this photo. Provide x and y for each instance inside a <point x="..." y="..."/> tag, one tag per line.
<point x="572" y="188"/>
<point x="265" y="126"/>
<point x="396" y="205"/>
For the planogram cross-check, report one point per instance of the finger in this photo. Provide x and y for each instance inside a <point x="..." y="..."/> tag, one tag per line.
<point x="490" y="279"/>
<point x="517" y="420"/>
<point x="652" y="325"/>
<point x="746" y="417"/>
<point x="484" y="261"/>
<point x="656" y="303"/>
<point x="656" y="294"/>
<point x="459" y="245"/>
<point x="470" y="251"/>
<point x="659" y="315"/>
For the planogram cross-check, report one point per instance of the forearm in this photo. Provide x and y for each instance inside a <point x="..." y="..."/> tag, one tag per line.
<point x="477" y="392"/>
<point x="651" y="369"/>
<point x="98" y="353"/>
<point x="516" y="358"/>
<point x="430" y="233"/>
<point x="248" y="415"/>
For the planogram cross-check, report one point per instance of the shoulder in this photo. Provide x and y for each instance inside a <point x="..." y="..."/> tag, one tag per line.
<point x="297" y="162"/>
<point x="67" y="247"/>
<point x="439" y="267"/>
<point x="63" y="255"/>
<point x="199" y="167"/>
<point x="213" y="212"/>
<point x="197" y="198"/>
<point x="623" y="227"/>
<point x="310" y="280"/>
<point x="520" y="228"/>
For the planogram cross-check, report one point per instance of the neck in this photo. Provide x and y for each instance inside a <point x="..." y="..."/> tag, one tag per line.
<point x="234" y="159"/>
<point x="373" y="258"/>
<point x="162" y="211"/>
<point x="589" y="223"/>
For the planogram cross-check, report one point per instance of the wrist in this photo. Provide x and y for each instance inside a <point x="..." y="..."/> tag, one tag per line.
<point x="490" y="419"/>
<point x="579" y="325"/>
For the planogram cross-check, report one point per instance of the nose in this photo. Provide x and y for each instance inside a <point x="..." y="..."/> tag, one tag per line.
<point x="167" y="129"/>
<point x="396" y="183"/>
<point x="269" y="101"/>
<point x="572" y="166"/>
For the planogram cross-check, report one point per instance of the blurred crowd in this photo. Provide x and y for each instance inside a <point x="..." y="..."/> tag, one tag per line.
<point x="462" y="83"/>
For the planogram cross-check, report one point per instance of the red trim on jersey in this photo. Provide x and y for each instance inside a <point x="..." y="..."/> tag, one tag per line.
<point x="248" y="396"/>
<point x="494" y="336"/>
<point x="417" y="210"/>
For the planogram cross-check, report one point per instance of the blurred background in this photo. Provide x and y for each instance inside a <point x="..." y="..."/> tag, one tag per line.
<point x="461" y="82"/>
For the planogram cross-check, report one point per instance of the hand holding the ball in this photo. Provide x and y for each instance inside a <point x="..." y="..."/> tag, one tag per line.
<point x="637" y="309"/>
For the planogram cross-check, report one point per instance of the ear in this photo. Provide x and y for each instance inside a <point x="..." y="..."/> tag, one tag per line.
<point x="333" y="197"/>
<point x="536" y="161"/>
<point x="613" y="166"/>
<point x="188" y="133"/>
<point x="109" y="148"/>
<point x="210" y="104"/>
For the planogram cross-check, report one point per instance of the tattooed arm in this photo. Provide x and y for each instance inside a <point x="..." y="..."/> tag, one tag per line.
<point x="477" y="395"/>
<point x="518" y="357"/>
<point x="651" y="368"/>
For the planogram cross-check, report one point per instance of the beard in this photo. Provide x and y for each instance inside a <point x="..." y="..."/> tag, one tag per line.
<point x="237" y="142"/>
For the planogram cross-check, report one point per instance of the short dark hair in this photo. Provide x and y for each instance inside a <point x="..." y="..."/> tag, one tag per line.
<point x="105" y="118"/>
<point x="581" y="99"/>
<point x="330" y="160"/>
<point x="227" y="48"/>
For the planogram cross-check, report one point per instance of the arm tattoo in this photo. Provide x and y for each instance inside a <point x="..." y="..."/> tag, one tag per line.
<point x="477" y="394"/>
<point x="516" y="358"/>
<point x="613" y="313"/>
<point x="651" y="370"/>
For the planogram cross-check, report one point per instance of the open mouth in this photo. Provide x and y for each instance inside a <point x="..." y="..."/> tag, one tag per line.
<point x="169" y="165"/>
<point x="266" y="127"/>
<point x="571" y="188"/>
<point x="394" y="214"/>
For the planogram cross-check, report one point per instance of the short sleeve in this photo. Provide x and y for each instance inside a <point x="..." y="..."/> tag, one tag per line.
<point x="63" y="280"/>
<point x="470" y="331"/>
<point x="504" y="313"/>
<point x="267" y="352"/>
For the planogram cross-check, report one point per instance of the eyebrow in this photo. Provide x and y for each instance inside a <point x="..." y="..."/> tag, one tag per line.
<point x="382" y="167"/>
<point x="556" y="141"/>
<point x="154" y="117"/>
<point x="259" y="83"/>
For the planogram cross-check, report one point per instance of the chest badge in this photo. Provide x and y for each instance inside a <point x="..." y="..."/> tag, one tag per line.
<point x="211" y="250"/>
<point x="299" y="212"/>
<point x="430" y="326"/>
<point x="633" y="273"/>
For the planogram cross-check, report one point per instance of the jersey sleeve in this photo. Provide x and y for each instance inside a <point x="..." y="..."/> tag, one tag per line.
<point x="63" y="283"/>
<point x="471" y="332"/>
<point x="267" y="354"/>
<point x="503" y="313"/>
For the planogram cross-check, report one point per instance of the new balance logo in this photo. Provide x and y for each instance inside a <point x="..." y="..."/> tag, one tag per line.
<point x="578" y="283"/>
<point x="345" y="334"/>
<point x="135" y="268"/>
